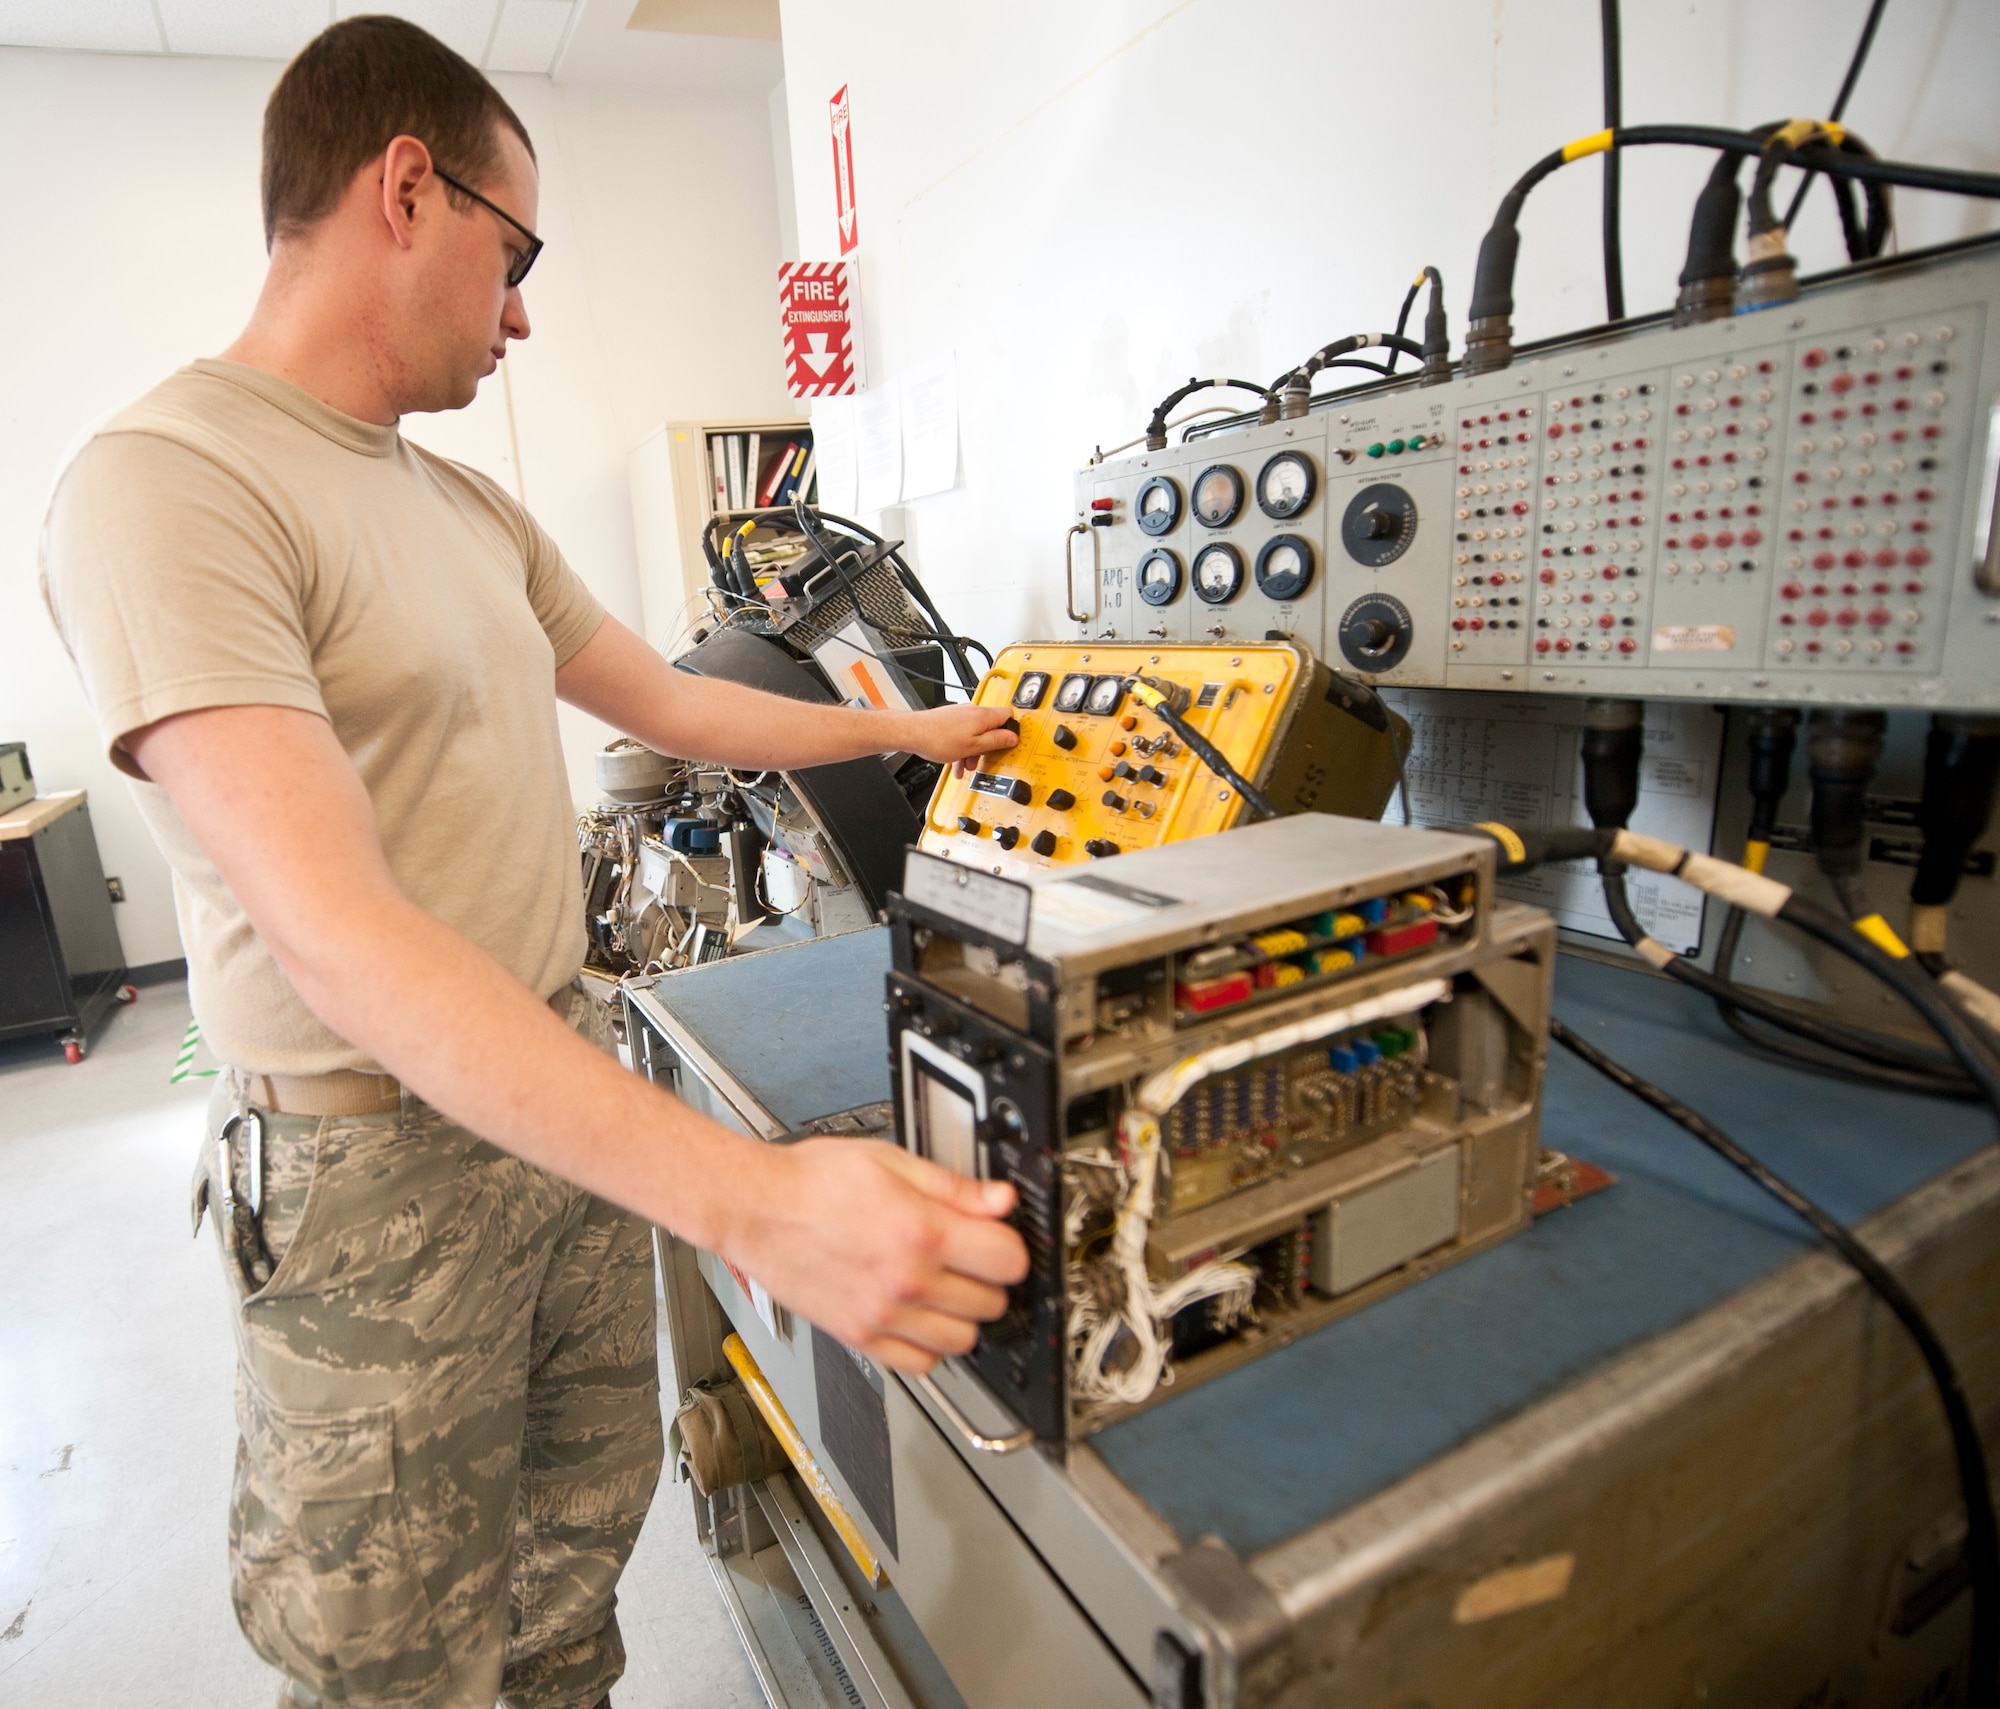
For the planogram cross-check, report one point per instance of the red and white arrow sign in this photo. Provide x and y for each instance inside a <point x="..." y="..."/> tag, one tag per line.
<point x="841" y="120"/>
<point x="816" y="308"/>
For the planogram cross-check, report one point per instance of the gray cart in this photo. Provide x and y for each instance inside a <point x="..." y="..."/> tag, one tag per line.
<point x="1660" y="1449"/>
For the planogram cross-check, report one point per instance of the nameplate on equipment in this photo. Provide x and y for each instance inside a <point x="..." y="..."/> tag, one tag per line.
<point x="991" y="904"/>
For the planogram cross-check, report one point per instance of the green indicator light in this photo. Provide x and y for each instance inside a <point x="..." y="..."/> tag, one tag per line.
<point x="1395" y="446"/>
<point x="1376" y="449"/>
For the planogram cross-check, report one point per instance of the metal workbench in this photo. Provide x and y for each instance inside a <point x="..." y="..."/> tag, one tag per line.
<point x="1658" y="1449"/>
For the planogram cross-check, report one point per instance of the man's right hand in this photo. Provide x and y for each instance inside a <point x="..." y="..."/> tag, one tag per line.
<point x="896" y="1257"/>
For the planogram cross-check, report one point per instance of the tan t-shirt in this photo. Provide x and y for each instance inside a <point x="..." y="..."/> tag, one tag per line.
<point x="230" y="540"/>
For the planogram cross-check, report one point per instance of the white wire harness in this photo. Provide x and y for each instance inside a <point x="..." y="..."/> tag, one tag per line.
<point x="1115" y="1299"/>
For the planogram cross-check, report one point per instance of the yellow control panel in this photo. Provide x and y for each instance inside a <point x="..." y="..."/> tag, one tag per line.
<point x="1096" y="774"/>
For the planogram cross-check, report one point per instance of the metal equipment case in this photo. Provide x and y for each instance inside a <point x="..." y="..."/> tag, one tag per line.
<point x="61" y="964"/>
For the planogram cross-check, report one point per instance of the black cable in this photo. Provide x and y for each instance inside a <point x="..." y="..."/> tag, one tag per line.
<point x="1614" y="102"/>
<point x="1982" y="1533"/>
<point x="1847" y="83"/>
<point x="1895" y="1058"/>
<point x="1490" y="344"/>
<point x="1907" y="980"/>
<point x="1211" y="756"/>
<point x="1156" y="428"/>
<point x="1402" y="321"/>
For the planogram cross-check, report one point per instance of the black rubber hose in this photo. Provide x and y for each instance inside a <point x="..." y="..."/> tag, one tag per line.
<point x="1982" y="1533"/>
<point x="1614" y="116"/>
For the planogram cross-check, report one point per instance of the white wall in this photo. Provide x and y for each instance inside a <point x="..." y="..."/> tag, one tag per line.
<point x="1091" y="203"/>
<point x="130" y="193"/>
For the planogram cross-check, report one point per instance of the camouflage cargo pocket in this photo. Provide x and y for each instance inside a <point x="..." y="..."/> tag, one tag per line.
<point x="325" y="1580"/>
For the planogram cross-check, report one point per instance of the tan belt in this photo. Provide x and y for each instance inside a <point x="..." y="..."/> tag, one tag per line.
<point x="344" y="1091"/>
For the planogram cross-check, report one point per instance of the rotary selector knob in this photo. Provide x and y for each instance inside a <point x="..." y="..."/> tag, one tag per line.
<point x="969" y="825"/>
<point x="1379" y="524"/>
<point x="1044" y="843"/>
<point x="1064" y="737"/>
<point x="1007" y="836"/>
<point x="1098" y="848"/>
<point x="1061" y="800"/>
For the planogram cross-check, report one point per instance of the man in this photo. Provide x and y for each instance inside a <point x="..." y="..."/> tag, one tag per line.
<point x="331" y="660"/>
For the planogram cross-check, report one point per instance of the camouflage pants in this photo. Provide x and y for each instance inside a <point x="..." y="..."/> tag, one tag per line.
<point x="447" y="1400"/>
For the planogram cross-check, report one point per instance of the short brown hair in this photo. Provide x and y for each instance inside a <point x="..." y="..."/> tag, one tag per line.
<point x="352" y="90"/>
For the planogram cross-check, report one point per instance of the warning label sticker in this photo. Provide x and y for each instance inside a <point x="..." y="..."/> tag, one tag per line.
<point x="1694" y="638"/>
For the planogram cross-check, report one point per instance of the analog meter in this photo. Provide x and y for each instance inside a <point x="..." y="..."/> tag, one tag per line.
<point x="1069" y="697"/>
<point x="1159" y="577"/>
<point x="1218" y="572"/>
<point x="1218" y="496"/>
<point x="1284" y="567"/>
<point x="1158" y="506"/>
<point x="1286" y="484"/>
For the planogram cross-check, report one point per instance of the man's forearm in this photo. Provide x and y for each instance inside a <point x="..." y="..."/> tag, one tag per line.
<point x="617" y="677"/>
<point x="449" y="1022"/>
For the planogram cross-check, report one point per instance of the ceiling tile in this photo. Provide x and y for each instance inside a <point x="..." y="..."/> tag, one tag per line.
<point x="102" y="26"/>
<point x="245" y="29"/>
<point x="463" y="25"/>
<point x="529" y="34"/>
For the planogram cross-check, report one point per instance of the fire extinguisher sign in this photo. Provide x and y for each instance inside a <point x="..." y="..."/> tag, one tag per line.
<point x="816" y="306"/>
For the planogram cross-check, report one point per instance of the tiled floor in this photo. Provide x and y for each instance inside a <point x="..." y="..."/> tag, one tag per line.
<point x="115" y="1429"/>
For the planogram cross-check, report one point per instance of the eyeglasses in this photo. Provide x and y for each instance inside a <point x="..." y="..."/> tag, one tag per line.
<point x="517" y="269"/>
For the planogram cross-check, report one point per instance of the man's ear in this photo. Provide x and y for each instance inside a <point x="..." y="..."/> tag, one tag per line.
<point x="406" y="177"/>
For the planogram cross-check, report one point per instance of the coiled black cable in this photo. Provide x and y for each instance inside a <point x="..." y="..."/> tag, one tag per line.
<point x="1982" y="1534"/>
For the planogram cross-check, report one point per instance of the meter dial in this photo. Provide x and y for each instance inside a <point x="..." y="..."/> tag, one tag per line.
<point x="1158" y="506"/>
<point x="1105" y="695"/>
<point x="1159" y="577"/>
<point x="1375" y="633"/>
<point x="1286" y="484"/>
<point x="1030" y="690"/>
<point x="1284" y="567"/>
<point x="1218" y="573"/>
<point x="1380" y="523"/>
<point x="1069" y="698"/>
<point x="1218" y="496"/>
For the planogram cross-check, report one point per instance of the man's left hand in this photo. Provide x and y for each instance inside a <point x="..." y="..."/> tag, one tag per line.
<point x="961" y="733"/>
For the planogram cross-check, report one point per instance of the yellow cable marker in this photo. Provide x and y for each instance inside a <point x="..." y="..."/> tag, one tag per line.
<point x="1598" y="142"/>
<point x="1882" y="935"/>
<point x="800" y="1455"/>
<point x="1504" y="835"/>
<point x="1754" y="855"/>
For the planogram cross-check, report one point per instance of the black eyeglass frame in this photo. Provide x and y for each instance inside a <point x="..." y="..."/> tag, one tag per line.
<point x="517" y="270"/>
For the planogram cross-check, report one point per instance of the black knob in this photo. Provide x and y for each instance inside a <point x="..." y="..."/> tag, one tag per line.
<point x="1114" y="801"/>
<point x="1044" y="843"/>
<point x="1061" y="800"/>
<point x="1020" y="792"/>
<point x="1098" y="848"/>
<point x="969" y="825"/>
<point x="1381" y="637"/>
<point x="1152" y="774"/>
<point x="1064" y="738"/>
<point x="1013" y="724"/>
<point x="1384" y="525"/>
<point x="1007" y="836"/>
